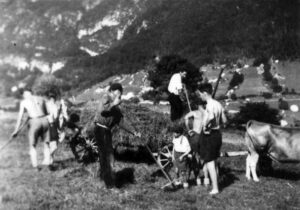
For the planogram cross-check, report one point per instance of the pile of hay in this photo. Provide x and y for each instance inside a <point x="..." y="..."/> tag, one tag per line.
<point x="152" y="125"/>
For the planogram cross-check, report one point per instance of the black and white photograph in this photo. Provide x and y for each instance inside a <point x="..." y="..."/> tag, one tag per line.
<point x="149" y="104"/>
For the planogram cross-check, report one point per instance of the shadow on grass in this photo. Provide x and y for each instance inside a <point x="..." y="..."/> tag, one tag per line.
<point x="124" y="177"/>
<point x="133" y="154"/>
<point x="282" y="174"/>
<point x="63" y="164"/>
<point x="268" y="168"/>
<point x="227" y="177"/>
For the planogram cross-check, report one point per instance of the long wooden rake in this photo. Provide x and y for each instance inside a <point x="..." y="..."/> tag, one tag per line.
<point x="12" y="138"/>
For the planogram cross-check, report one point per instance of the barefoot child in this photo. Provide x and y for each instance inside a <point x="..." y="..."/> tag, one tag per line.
<point x="181" y="148"/>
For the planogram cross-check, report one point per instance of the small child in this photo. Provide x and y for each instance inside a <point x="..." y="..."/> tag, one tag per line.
<point x="181" y="148"/>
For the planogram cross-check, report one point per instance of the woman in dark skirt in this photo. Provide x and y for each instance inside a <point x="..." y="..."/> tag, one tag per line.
<point x="210" y="145"/>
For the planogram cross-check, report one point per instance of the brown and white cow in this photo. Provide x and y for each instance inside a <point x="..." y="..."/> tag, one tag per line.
<point x="281" y="144"/>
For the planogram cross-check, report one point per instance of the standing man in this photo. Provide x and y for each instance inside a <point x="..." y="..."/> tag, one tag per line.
<point x="175" y="88"/>
<point x="38" y="125"/>
<point x="108" y="115"/>
<point x="211" y="141"/>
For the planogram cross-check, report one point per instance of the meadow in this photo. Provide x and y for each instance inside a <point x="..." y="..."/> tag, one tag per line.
<point x="71" y="185"/>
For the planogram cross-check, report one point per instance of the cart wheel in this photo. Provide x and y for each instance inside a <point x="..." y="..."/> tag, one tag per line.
<point x="164" y="158"/>
<point x="84" y="150"/>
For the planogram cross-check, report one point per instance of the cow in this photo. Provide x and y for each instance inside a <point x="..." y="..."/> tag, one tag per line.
<point x="281" y="144"/>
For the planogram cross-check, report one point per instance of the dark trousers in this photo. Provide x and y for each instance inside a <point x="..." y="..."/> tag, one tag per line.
<point x="103" y="138"/>
<point x="176" y="106"/>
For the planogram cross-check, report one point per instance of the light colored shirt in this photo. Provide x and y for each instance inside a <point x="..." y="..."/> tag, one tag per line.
<point x="175" y="84"/>
<point x="215" y="113"/>
<point x="200" y="118"/>
<point x="181" y="144"/>
<point x="53" y="109"/>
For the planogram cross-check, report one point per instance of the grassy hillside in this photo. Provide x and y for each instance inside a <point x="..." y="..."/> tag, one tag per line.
<point x="201" y="31"/>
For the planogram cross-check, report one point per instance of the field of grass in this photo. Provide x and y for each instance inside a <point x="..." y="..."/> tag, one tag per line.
<point x="70" y="185"/>
<point x="290" y="70"/>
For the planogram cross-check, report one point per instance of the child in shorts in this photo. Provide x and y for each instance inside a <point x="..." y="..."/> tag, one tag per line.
<point x="181" y="149"/>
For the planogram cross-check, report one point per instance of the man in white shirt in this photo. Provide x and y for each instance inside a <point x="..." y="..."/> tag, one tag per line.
<point x="211" y="141"/>
<point x="175" y="88"/>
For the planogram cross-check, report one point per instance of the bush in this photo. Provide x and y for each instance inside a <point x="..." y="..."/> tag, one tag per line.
<point x="151" y="95"/>
<point x="170" y="64"/>
<point x="221" y="97"/>
<point x="259" y="111"/>
<point x="237" y="79"/>
<point x="233" y="97"/>
<point x="47" y="83"/>
<point x="267" y="95"/>
<point x="134" y="100"/>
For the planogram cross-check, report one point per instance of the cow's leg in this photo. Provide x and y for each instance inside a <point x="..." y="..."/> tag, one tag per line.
<point x="253" y="160"/>
<point x="248" y="172"/>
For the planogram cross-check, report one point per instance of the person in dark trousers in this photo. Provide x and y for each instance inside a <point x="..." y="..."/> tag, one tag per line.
<point x="175" y="88"/>
<point x="211" y="138"/>
<point x="109" y="115"/>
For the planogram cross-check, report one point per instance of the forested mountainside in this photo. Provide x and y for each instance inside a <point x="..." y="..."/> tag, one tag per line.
<point x="92" y="40"/>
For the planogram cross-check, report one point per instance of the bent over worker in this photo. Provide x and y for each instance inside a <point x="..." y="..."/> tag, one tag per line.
<point x="199" y="118"/>
<point x="175" y="87"/>
<point x="38" y="125"/>
<point x="109" y="115"/>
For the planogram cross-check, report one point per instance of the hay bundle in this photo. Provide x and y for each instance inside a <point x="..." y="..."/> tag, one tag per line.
<point x="152" y="125"/>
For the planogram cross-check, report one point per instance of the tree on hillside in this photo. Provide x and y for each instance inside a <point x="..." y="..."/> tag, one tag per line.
<point x="47" y="83"/>
<point x="259" y="111"/>
<point x="170" y="64"/>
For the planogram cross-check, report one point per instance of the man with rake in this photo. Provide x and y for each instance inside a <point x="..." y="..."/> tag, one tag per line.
<point x="108" y="116"/>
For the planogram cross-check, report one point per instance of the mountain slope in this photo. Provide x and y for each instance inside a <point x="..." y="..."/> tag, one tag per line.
<point x="95" y="39"/>
<point x="51" y="30"/>
<point x="202" y="31"/>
